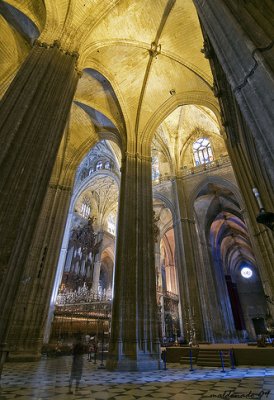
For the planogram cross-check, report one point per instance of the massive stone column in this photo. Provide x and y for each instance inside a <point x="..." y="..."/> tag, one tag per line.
<point x="200" y="284"/>
<point x="31" y="306"/>
<point x="33" y="115"/>
<point x="134" y="343"/>
<point x="249" y="173"/>
<point x="249" y="169"/>
<point x="159" y="287"/>
<point x="241" y="35"/>
<point x="219" y="322"/>
<point x="186" y="266"/>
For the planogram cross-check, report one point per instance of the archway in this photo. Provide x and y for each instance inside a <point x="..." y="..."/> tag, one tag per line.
<point x="83" y="286"/>
<point x="236" y="278"/>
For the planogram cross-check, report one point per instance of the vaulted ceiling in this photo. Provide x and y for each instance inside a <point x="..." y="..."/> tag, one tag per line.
<point x="140" y="61"/>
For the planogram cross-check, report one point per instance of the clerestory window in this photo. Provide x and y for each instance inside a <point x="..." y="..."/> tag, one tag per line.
<point x="202" y="151"/>
<point x="99" y="165"/>
<point x="85" y="208"/>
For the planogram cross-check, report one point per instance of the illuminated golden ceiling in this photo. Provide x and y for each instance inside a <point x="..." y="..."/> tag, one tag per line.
<point x="140" y="59"/>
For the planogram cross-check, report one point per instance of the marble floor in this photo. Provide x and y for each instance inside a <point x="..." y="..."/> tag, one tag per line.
<point x="48" y="379"/>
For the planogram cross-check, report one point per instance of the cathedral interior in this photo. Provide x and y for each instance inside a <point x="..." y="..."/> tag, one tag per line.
<point x="136" y="176"/>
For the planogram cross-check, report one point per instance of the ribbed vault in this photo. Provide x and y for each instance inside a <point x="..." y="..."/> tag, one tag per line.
<point x="230" y="243"/>
<point x="135" y="55"/>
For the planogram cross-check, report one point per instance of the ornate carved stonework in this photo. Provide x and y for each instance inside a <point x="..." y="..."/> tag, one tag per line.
<point x="155" y="49"/>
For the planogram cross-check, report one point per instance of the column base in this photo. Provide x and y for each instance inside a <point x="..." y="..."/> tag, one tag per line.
<point x="144" y="363"/>
<point x="3" y="357"/>
<point x="23" y="356"/>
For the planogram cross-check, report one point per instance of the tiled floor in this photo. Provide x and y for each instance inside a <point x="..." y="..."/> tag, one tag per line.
<point x="48" y="379"/>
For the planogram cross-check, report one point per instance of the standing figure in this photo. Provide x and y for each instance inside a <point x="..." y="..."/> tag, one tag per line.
<point x="78" y="351"/>
<point x="95" y="350"/>
<point x="87" y="338"/>
<point x="90" y="349"/>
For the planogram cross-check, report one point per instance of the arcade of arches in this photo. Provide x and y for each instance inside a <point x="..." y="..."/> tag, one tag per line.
<point x="132" y="134"/>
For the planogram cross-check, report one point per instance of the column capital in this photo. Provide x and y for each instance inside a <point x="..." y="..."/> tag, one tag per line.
<point x="57" y="44"/>
<point x="184" y="220"/>
<point x="60" y="187"/>
<point x="244" y="212"/>
<point x="138" y="156"/>
<point x="260" y="232"/>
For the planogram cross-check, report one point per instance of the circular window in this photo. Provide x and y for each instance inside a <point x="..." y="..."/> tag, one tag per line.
<point x="246" y="272"/>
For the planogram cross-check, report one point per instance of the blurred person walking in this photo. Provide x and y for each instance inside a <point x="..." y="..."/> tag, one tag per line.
<point x="78" y="351"/>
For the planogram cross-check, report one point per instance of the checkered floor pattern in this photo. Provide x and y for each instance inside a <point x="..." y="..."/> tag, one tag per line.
<point x="48" y="379"/>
